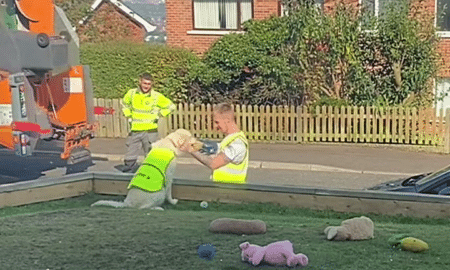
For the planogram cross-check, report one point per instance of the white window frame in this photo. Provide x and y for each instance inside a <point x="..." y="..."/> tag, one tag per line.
<point x="376" y="4"/>
<point x="444" y="34"/>
<point x="376" y="11"/>
<point x="220" y="31"/>
<point x="318" y="3"/>
<point x="439" y="86"/>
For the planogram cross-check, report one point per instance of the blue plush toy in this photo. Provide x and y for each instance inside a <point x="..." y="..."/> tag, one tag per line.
<point x="206" y="252"/>
<point x="209" y="147"/>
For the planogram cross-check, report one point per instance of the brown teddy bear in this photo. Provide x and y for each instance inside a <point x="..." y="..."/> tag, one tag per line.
<point x="358" y="228"/>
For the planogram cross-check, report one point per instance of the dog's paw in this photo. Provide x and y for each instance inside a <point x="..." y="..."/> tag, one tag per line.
<point x="159" y="208"/>
<point x="173" y="201"/>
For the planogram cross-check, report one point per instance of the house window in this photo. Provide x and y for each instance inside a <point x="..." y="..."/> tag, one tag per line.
<point x="375" y="7"/>
<point x="221" y="14"/>
<point x="319" y="3"/>
<point x="443" y="15"/>
<point x="284" y="11"/>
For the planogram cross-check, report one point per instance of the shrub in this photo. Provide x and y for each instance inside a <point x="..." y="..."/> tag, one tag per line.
<point x="408" y="42"/>
<point x="247" y="68"/>
<point x="338" y="58"/>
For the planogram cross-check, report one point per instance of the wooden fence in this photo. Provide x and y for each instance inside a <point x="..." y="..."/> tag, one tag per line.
<point x="394" y="125"/>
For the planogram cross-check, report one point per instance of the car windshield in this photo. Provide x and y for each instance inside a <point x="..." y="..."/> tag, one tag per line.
<point x="433" y="175"/>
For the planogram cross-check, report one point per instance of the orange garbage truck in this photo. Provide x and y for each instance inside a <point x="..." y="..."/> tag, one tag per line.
<point x="46" y="97"/>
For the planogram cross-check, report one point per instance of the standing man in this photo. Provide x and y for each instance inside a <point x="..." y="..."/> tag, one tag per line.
<point x="230" y="164"/>
<point x="143" y="106"/>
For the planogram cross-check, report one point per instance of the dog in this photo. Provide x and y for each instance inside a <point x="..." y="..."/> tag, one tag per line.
<point x="140" y="198"/>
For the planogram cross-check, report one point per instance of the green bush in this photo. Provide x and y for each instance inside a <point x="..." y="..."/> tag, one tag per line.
<point x="323" y="47"/>
<point x="399" y="59"/>
<point x="365" y="60"/>
<point x="115" y="68"/>
<point x="247" y="68"/>
<point x="328" y="101"/>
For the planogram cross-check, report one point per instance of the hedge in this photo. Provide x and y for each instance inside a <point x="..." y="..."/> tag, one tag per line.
<point x="115" y="67"/>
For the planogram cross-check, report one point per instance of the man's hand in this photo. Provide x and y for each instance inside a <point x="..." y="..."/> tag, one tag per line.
<point x="188" y="147"/>
<point x="213" y="161"/>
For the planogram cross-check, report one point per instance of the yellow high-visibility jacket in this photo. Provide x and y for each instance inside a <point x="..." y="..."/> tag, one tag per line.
<point x="232" y="173"/>
<point x="145" y="109"/>
<point x="151" y="176"/>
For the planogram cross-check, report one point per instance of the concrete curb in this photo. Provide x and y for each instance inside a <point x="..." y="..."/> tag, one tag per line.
<point x="266" y="165"/>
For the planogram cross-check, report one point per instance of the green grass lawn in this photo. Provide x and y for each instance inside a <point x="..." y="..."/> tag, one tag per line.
<point x="68" y="234"/>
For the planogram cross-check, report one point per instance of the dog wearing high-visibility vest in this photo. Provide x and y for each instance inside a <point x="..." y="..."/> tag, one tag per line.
<point x="151" y="185"/>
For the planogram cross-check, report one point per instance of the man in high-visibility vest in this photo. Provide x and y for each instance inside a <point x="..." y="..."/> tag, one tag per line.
<point x="143" y="106"/>
<point x="230" y="163"/>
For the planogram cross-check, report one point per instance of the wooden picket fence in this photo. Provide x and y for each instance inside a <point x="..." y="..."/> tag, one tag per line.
<point x="394" y="125"/>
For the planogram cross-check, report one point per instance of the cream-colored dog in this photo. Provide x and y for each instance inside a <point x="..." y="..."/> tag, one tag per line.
<point x="138" y="198"/>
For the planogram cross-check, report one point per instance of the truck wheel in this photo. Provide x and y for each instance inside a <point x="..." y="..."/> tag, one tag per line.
<point x="42" y="40"/>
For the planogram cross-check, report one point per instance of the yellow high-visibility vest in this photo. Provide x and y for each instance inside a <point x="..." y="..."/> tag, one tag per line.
<point x="151" y="176"/>
<point x="144" y="109"/>
<point x="232" y="173"/>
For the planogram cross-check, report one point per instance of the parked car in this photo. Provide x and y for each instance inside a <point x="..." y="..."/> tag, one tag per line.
<point x="437" y="183"/>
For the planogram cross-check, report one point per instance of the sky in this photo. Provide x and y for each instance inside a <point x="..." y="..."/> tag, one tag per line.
<point x="154" y="11"/>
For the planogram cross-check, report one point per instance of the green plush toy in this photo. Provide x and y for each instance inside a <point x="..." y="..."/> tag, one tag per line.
<point x="408" y="243"/>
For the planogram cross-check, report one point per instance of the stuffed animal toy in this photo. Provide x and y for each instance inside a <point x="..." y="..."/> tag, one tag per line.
<point x="408" y="243"/>
<point x="278" y="253"/>
<point x="359" y="228"/>
<point x="237" y="226"/>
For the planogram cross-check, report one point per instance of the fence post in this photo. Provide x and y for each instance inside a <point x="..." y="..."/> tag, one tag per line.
<point x="447" y="132"/>
<point x="299" y="124"/>
<point x="162" y="127"/>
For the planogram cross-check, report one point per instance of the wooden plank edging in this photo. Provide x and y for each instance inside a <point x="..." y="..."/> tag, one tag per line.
<point x="358" y="201"/>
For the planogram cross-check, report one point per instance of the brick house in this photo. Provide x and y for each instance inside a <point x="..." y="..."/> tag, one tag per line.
<point x="196" y="24"/>
<point x="188" y="27"/>
<point x="113" y="20"/>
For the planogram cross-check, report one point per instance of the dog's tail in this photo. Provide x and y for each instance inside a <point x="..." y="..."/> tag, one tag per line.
<point x="109" y="203"/>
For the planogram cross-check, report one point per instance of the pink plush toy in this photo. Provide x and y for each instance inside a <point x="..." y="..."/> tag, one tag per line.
<point x="279" y="253"/>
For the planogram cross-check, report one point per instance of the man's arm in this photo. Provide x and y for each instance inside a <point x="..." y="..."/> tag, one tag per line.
<point x="166" y="105"/>
<point x="211" y="162"/>
<point x="126" y="104"/>
<point x="236" y="150"/>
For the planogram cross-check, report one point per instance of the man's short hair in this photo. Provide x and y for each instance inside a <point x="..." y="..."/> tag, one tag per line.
<point x="224" y="109"/>
<point x="146" y="76"/>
